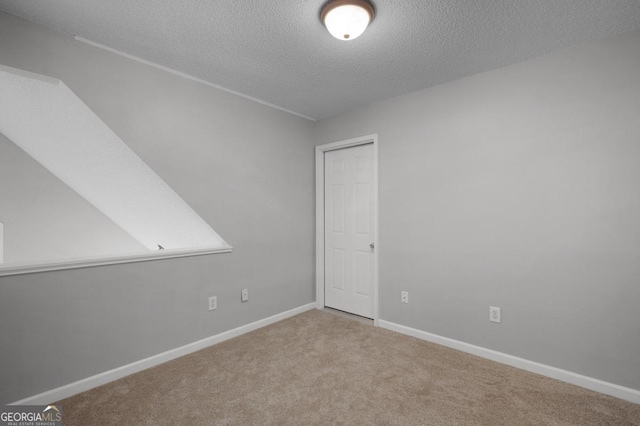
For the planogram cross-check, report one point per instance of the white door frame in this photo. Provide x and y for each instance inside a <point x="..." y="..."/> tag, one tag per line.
<point x="1" y="243"/>
<point x="320" y="150"/>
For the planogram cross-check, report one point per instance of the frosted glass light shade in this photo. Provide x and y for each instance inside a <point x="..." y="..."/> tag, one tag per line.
<point x="347" y="20"/>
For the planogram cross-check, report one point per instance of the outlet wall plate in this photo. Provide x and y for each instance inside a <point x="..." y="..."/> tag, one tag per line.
<point x="404" y="297"/>
<point x="494" y="314"/>
<point x="213" y="303"/>
<point x="244" y="296"/>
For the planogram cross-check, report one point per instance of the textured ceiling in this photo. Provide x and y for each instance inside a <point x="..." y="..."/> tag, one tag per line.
<point x="279" y="52"/>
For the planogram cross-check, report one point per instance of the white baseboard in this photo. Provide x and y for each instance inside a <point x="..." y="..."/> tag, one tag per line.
<point x="628" y="394"/>
<point x="71" y="389"/>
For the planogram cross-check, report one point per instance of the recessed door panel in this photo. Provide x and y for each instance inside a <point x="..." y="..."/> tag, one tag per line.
<point x="363" y="208"/>
<point x="338" y="269"/>
<point x="363" y="270"/>
<point x="337" y="208"/>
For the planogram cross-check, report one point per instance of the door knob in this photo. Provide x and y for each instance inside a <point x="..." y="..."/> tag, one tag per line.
<point x="372" y="246"/>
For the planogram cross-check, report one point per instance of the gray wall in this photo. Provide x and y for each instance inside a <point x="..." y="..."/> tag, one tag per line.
<point x="45" y="220"/>
<point x="244" y="168"/>
<point x="517" y="188"/>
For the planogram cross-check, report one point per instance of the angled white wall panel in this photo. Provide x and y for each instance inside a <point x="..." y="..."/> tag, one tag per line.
<point x="50" y="123"/>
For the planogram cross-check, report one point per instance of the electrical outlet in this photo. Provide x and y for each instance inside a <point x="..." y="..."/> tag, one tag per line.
<point x="213" y="303"/>
<point x="245" y="295"/>
<point x="494" y="314"/>
<point x="404" y="297"/>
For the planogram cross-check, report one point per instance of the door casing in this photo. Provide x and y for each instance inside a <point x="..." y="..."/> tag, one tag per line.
<point x="320" y="150"/>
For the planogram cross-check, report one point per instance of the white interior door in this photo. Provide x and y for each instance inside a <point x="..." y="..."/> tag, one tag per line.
<point x="348" y="230"/>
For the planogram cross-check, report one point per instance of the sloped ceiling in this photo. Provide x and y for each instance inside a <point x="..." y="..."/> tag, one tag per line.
<point x="49" y="122"/>
<point x="279" y="52"/>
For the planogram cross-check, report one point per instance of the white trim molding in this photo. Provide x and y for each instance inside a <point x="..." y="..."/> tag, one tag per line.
<point x="320" y="150"/>
<point x="19" y="269"/>
<point x="628" y="394"/>
<point x="188" y="76"/>
<point x="83" y="385"/>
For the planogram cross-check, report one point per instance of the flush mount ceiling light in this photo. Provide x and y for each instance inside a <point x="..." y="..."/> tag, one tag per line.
<point x="347" y="19"/>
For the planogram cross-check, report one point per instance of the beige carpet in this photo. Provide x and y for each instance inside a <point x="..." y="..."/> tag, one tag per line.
<point x="321" y="369"/>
